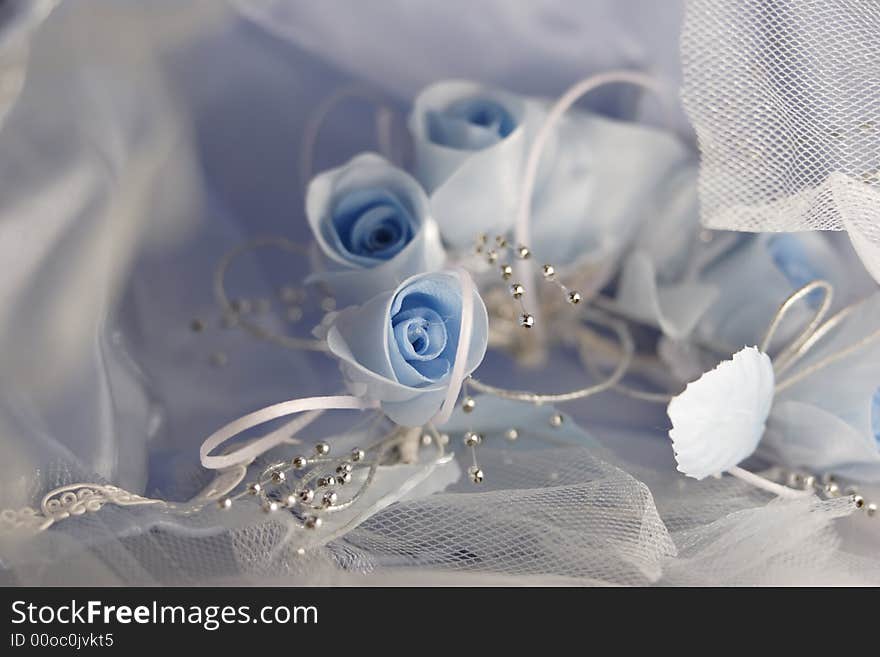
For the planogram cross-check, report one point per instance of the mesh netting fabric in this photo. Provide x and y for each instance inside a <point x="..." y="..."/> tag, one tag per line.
<point x="785" y="101"/>
<point x="546" y="514"/>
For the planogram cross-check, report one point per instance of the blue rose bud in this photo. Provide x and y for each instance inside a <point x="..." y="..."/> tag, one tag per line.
<point x="372" y="222"/>
<point x="400" y="347"/>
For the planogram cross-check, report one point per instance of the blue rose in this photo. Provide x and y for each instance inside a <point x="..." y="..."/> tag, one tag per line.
<point x="470" y="145"/>
<point x="399" y="348"/>
<point x="372" y="222"/>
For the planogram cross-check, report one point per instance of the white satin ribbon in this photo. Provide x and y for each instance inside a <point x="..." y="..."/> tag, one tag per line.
<point x="465" y="333"/>
<point x="312" y="406"/>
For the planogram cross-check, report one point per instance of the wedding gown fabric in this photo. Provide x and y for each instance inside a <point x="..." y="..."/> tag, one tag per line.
<point x="142" y="145"/>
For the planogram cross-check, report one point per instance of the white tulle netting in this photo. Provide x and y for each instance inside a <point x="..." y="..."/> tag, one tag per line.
<point x="552" y="515"/>
<point x="785" y="100"/>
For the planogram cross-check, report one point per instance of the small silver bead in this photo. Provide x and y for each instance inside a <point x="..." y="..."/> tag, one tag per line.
<point x="832" y="489"/>
<point x="506" y="272"/>
<point x="871" y="509"/>
<point x="343" y="467"/>
<point x="300" y="551"/>
<point x="312" y="522"/>
<point x="828" y="478"/>
<point x="290" y="500"/>
<point x="324" y="482"/>
<point x="322" y="449"/>
<point x="526" y="320"/>
<point x="523" y="252"/>
<point x="472" y="439"/>
<point x="270" y="506"/>
<point x="574" y="298"/>
<point x="329" y="498"/>
<point x="278" y="477"/>
<point x="299" y="462"/>
<point x="492" y="256"/>
<point x="511" y="434"/>
<point x="476" y="474"/>
<point x="858" y="501"/>
<point x="254" y="488"/>
<point x="517" y="290"/>
<point x="501" y="241"/>
<point x="468" y="404"/>
<point x="305" y="495"/>
<point x="794" y="480"/>
<point x="549" y="271"/>
<point x="809" y="481"/>
<point x="357" y="454"/>
<point x="344" y="478"/>
<point x="482" y="238"/>
<point x="225" y="503"/>
<point x="556" y="420"/>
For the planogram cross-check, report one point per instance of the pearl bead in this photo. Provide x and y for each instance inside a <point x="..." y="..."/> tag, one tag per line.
<point x="225" y="503"/>
<point x="329" y="498"/>
<point x="444" y="439"/>
<point x="506" y="272"/>
<point x="299" y="462"/>
<point x="270" y="507"/>
<point x="574" y="298"/>
<point x="871" y="509"/>
<point x="832" y="488"/>
<point x="427" y="439"/>
<point x="523" y="252"/>
<point x="472" y="439"/>
<point x="476" y="474"/>
<point x="468" y="404"/>
<point x="357" y="454"/>
<point x="549" y="271"/>
<point x="517" y="290"/>
<point x="322" y="449"/>
<point x="556" y="420"/>
<point x="511" y="434"/>
<point x="312" y="522"/>
<point x="526" y="321"/>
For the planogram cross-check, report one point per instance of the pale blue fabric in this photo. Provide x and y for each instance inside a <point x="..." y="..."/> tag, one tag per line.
<point x="399" y="347"/>
<point x="875" y="415"/>
<point x="599" y="179"/>
<point x="373" y="224"/>
<point x="828" y="421"/>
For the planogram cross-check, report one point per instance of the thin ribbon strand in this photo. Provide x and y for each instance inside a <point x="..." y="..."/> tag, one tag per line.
<point x="465" y="334"/>
<point x="312" y="406"/>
